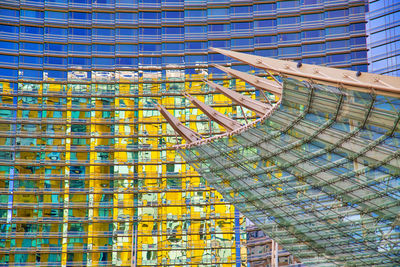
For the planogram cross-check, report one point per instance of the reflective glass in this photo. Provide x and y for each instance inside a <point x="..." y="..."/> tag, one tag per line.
<point x="241" y="9"/>
<point x="78" y="48"/>
<point x="288" y="4"/>
<point x="195" y="29"/>
<point x="103" y="48"/>
<point x="80" y="32"/>
<point x="126" y="16"/>
<point x="150" y="31"/>
<point x="172" y="14"/>
<point x="220" y="27"/>
<point x="312" y="48"/>
<point x="288" y="20"/>
<point x="150" y="15"/>
<point x="265" y="7"/>
<point x="78" y="124"/>
<point x="312" y="17"/>
<point x="195" y="45"/>
<point x="33" y="14"/>
<point x="342" y="44"/>
<point x="80" y="15"/>
<point x="126" y="48"/>
<point x="269" y="187"/>
<point x="9" y="13"/>
<point x="9" y="29"/>
<point x="55" y="31"/>
<point x="289" y="37"/>
<point x="264" y="23"/>
<point x="266" y="40"/>
<point x="242" y="26"/>
<point x="9" y="46"/>
<point x="56" y="15"/>
<point x="173" y="47"/>
<point x="193" y="13"/>
<point x="54" y="48"/>
<point x="336" y="13"/>
<point x="217" y="12"/>
<point x="32" y="30"/>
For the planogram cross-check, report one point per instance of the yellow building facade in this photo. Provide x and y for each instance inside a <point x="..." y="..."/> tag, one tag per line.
<point x="88" y="177"/>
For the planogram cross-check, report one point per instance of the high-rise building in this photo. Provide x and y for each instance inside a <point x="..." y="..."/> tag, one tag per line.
<point x="384" y="37"/>
<point x="263" y="251"/>
<point x="86" y="174"/>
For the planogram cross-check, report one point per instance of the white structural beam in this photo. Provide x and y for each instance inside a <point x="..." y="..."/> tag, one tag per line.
<point x="359" y="81"/>
<point x="186" y="133"/>
<point x="258" y="107"/>
<point x="258" y="82"/>
<point x="220" y="118"/>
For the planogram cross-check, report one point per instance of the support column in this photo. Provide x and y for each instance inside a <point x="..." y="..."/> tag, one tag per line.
<point x="274" y="254"/>
<point x="64" y="251"/>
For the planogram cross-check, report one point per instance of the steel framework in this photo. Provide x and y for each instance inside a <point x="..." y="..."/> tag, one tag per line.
<point x="319" y="172"/>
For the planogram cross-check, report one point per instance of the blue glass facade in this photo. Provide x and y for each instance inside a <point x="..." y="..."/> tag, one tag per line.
<point x="384" y="37"/>
<point x="48" y="40"/>
<point x="84" y="155"/>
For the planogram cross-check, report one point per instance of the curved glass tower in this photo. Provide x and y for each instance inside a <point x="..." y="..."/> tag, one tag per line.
<point x="384" y="37"/>
<point x="86" y="177"/>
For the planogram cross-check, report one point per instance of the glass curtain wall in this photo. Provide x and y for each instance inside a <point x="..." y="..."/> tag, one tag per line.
<point x="86" y="169"/>
<point x="384" y="37"/>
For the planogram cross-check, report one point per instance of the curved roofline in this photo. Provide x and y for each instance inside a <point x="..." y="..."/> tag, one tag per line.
<point x="354" y="80"/>
<point x="350" y="80"/>
<point x="227" y="134"/>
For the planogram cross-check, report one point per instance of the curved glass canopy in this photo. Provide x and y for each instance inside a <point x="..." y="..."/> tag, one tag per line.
<point x="321" y="173"/>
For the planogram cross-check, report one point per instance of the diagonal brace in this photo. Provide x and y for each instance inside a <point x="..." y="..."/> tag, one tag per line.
<point x="258" y="107"/>
<point x="188" y="134"/>
<point x="221" y="119"/>
<point x="258" y="82"/>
